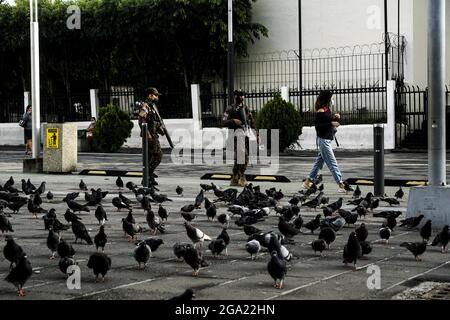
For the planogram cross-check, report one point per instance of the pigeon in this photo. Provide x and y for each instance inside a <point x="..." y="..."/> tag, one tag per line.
<point x="357" y="192"/>
<point x="142" y="253"/>
<point x="119" y="204"/>
<point x="70" y="216"/>
<point x="154" y="223"/>
<point x="37" y="200"/>
<point x="206" y="187"/>
<point x="416" y="248"/>
<point x="130" y="217"/>
<point x="100" y="263"/>
<point x="390" y="201"/>
<point x="366" y="248"/>
<point x="313" y="224"/>
<point x="425" y="231"/>
<point x="180" y="248"/>
<point x="328" y="235"/>
<point x="100" y="239"/>
<point x="129" y="229"/>
<point x="34" y="209"/>
<point x="319" y="245"/>
<point x="186" y="296"/>
<point x="208" y="203"/>
<point x="100" y="214"/>
<point x="361" y="211"/>
<point x="350" y="218"/>
<point x="294" y="200"/>
<point x="119" y="183"/>
<point x="179" y="191"/>
<point x="327" y="212"/>
<point x="283" y="252"/>
<point x="94" y="199"/>
<point x="146" y="203"/>
<point x="442" y="239"/>
<point x="20" y="274"/>
<point x="196" y="235"/>
<point x="253" y="247"/>
<point x="374" y="204"/>
<point x="347" y="187"/>
<point x="76" y="207"/>
<point x="385" y="234"/>
<point x="224" y="219"/>
<point x="25" y="188"/>
<point x="80" y="232"/>
<point x="336" y="205"/>
<point x="16" y="205"/>
<point x="49" y="196"/>
<point x="314" y="203"/>
<point x="162" y="213"/>
<point x="82" y="185"/>
<point x="411" y="222"/>
<point x="194" y="259"/>
<point x="211" y="212"/>
<point x="41" y="188"/>
<point x="71" y="196"/>
<point x="154" y="243"/>
<point x="12" y="251"/>
<point x="352" y="250"/>
<point x="188" y="208"/>
<point x="65" y="263"/>
<point x="131" y="185"/>
<point x="249" y="230"/>
<point x="390" y="222"/>
<point x="225" y="237"/>
<point x="5" y="224"/>
<point x="277" y="269"/>
<point x="298" y="222"/>
<point x="217" y="246"/>
<point x="361" y="232"/>
<point x="335" y="223"/>
<point x="188" y="216"/>
<point x="399" y="193"/>
<point x="287" y="229"/>
<point x="160" y="198"/>
<point x="124" y="199"/>
<point x="52" y="242"/>
<point x="65" y="249"/>
<point x="386" y="214"/>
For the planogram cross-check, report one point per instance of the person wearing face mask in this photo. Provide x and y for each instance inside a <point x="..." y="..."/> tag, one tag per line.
<point x="27" y="124"/>
<point x="238" y="116"/>
<point x="326" y="124"/>
<point x="148" y="114"/>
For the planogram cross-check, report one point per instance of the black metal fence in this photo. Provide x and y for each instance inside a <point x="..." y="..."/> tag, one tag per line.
<point x="411" y="117"/>
<point x="172" y="104"/>
<point x="11" y="109"/>
<point x="343" y="68"/>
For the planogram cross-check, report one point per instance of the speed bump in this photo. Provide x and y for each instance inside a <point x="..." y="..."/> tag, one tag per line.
<point x="249" y="177"/>
<point x="388" y="182"/>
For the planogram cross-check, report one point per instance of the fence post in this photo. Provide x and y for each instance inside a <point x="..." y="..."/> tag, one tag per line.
<point x="378" y="159"/>
<point x="285" y="93"/>
<point x="389" y="136"/>
<point x="145" y="169"/>
<point x="26" y="100"/>
<point x="94" y="102"/>
<point x="196" y="106"/>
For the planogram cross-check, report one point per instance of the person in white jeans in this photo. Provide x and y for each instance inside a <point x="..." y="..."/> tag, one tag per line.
<point x="325" y="124"/>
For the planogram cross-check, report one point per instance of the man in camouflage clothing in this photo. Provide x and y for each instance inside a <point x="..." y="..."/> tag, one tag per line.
<point x="148" y="115"/>
<point x="238" y="116"/>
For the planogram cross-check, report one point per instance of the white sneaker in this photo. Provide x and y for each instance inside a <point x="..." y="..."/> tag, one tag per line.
<point x="307" y="183"/>
<point x="341" y="188"/>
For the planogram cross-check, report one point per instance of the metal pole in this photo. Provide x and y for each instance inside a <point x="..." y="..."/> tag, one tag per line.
<point x="378" y="160"/>
<point x="35" y="79"/>
<point x="300" y="48"/>
<point x="144" y="155"/>
<point x="436" y="90"/>
<point x="386" y="41"/>
<point x="230" y="53"/>
<point x="399" y="41"/>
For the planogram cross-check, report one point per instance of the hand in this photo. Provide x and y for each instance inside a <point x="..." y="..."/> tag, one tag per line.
<point x="335" y="124"/>
<point x="337" y="116"/>
<point x="237" y="122"/>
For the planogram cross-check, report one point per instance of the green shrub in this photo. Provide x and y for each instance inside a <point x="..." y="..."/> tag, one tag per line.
<point x="282" y="115"/>
<point x="112" y="128"/>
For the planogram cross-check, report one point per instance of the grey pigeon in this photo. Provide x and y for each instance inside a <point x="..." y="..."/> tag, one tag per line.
<point x="277" y="269"/>
<point x="253" y="247"/>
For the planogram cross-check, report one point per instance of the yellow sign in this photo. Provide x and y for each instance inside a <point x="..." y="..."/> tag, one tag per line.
<point x="52" y="138"/>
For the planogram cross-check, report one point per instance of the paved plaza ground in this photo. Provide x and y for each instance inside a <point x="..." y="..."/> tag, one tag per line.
<point x="235" y="276"/>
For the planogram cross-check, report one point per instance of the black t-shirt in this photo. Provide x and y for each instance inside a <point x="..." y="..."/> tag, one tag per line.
<point x="324" y="128"/>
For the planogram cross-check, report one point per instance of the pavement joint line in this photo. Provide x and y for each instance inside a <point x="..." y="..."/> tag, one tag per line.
<point x="41" y="284"/>
<point x="415" y="276"/>
<point x="231" y="281"/>
<point x="111" y="289"/>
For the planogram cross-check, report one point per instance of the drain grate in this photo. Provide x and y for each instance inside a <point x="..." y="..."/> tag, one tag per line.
<point x="440" y="292"/>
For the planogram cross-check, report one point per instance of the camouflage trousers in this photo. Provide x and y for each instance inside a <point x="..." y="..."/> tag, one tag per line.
<point x="239" y="151"/>
<point x="154" y="154"/>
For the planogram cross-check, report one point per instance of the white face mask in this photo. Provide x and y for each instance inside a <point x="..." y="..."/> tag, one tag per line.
<point x="331" y="104"/>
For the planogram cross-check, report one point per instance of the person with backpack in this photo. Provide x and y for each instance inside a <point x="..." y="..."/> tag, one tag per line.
<point x="27" y="124"/>
<point x="326" y="124"/>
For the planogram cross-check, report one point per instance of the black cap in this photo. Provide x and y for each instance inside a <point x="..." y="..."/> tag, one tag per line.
<point x="239" y="93"/>
<point x="152" y="90"/>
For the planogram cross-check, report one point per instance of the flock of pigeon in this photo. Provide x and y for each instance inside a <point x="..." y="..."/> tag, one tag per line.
<point x="245" y="208"/>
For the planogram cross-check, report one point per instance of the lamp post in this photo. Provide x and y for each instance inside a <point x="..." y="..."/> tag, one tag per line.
<point x="230" y="48"/>
<point x="35" y="79"/>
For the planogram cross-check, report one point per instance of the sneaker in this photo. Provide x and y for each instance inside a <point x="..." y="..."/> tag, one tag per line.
<point x="234" y="181"/>
<point x="341" y="188"/>
<point x="307" y="183"/>
<point x="242" y="181"/>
